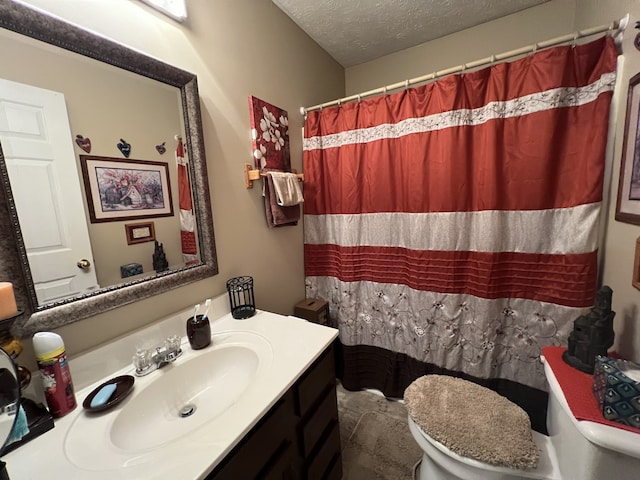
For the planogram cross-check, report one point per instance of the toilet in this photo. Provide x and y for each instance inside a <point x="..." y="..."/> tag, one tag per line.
<point x="574" y="450"/>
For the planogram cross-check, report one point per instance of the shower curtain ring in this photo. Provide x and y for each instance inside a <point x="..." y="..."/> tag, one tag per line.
<point x="384" y="90"/>
<point x="406" y="84"/>
<point x="358" y="98"/>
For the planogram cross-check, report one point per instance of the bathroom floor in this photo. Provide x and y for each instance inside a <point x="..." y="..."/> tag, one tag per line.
<point x="375" y="438"/>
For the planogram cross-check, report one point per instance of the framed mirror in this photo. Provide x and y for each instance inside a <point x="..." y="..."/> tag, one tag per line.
<point x="137" y="78"/>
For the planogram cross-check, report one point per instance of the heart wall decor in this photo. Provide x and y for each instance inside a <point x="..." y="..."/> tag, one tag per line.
<point x="125" y="148"/>
<point x="83" y="143"/>
<point x="161" y="148"/>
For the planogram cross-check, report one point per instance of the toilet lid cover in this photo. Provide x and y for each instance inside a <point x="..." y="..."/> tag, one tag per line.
<point x="472" y="421"/>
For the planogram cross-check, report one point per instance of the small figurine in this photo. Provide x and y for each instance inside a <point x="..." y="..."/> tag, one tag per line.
<point x="160" y="263"/>
<point x="592" y="333"/>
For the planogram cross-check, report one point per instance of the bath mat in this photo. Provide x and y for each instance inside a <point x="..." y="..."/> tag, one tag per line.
<point x="472" y="421"/>
<point x="380" y="448"/>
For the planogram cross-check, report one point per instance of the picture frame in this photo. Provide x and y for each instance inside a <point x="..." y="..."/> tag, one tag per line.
<point x="270" y="135"/>
<point x="119" y="189"/>
<point x="635" y="279"/>
<point x="628" y="203"/>
<point x="140" y="232"/>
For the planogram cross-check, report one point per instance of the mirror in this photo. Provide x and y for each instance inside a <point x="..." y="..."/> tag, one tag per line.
<point x="28" y="25"/>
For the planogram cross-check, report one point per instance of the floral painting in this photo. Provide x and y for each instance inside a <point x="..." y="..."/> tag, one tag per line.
<point x="119" y="190"/>
<point x="270" y="133"/>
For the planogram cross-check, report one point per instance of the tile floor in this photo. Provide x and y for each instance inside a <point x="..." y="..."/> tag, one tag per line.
<point x="376" y="442"/>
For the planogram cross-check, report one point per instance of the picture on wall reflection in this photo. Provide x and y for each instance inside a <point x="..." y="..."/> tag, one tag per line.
<point x="121" y="190"/>
<point x="628" y="205"/>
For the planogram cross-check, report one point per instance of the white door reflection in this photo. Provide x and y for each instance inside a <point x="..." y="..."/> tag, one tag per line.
<point x="36" y="142"/>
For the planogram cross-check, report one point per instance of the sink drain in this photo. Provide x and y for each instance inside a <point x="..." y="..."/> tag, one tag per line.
<point x="187" y="411"/>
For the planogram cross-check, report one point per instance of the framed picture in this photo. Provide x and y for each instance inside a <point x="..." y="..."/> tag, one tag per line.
<point x="628" y="205"/>
<point x="140" y="232"/>
<point x="270" y="133"/>
<point x="125" y="189"/>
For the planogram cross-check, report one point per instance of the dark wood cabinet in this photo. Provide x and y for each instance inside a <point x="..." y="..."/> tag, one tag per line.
<point x="298" y="439"/>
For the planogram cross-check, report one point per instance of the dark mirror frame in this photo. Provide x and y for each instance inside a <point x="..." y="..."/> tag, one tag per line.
<point x="14" y="265"/>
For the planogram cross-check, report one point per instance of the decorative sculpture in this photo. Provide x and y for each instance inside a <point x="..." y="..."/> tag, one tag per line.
<point x="592" y="333"/>
<point x="160" y="263"/>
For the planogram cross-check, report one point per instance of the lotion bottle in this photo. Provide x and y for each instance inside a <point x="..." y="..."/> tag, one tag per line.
<point x="54" y="370"/>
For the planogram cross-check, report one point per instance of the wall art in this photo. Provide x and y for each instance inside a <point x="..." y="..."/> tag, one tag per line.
<point x="140" y="232"/>
<point x="124" y="147"/>
<point x="628" y="205"/>
<point x="84" y="143"/>
<point x="125" y="189"/>
<point x="270" y="133"/>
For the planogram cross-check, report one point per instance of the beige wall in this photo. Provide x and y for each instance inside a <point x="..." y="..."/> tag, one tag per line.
<point x="523" y="28"/>
<point x="236" y="48"/>
<point x="105" y="104"/>
<point x="552" y="19"/>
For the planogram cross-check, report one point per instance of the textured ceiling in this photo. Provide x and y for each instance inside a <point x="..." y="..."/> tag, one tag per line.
<point x="357" y="31"/>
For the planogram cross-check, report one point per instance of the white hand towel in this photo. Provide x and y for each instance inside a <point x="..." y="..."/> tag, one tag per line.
<point x="287" y="188"/>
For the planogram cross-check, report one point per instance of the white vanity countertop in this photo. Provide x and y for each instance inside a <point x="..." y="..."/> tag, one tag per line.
<point x="294" y="343"/>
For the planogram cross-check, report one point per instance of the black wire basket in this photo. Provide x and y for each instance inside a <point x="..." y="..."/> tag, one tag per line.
<point x="241" y="299"/>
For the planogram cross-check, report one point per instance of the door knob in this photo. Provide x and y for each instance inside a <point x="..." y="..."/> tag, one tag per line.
<point x="84" y="264"/>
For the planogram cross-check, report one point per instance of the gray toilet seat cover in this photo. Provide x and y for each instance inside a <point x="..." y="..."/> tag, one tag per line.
<point x="472" y="421"/>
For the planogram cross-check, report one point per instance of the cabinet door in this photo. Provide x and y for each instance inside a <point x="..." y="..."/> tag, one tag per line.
<point x="263" y="449"/>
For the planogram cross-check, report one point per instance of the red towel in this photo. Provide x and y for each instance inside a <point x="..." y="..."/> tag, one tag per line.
<point x="576" y="386"/>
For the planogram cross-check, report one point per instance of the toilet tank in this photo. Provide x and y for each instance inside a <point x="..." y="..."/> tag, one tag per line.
<point x="587" y="450"/>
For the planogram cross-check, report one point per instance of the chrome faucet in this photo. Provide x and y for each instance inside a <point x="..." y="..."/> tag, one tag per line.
<point x="146" y="361"/>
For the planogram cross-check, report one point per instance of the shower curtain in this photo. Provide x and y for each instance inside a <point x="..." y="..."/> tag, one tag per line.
<point x="453" y="227"/>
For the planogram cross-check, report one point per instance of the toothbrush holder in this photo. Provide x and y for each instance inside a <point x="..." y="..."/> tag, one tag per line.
<point x="198" y="332"/>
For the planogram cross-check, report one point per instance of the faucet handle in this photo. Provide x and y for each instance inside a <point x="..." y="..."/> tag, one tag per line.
<point x="172" y="348"/>
<point x="142" y="360"/>
<point x="172" y="343"/>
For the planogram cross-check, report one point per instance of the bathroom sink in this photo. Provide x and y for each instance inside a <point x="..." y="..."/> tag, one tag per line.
<point x="183" y="396"/>
<point x="172" y="402"/>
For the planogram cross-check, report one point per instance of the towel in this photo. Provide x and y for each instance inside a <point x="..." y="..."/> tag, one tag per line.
<point x="287" y="188"/>
<point x="278" y="216"/>
<point x="20" y="427"/>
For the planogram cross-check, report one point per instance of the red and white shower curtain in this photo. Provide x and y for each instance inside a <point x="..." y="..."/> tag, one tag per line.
<point x="453" y="227"/>
<point x="187" y="220"/>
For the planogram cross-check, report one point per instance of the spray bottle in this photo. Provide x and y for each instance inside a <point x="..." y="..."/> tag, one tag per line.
<point x="54" y="370"/>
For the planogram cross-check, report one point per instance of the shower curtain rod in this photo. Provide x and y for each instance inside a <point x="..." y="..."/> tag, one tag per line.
<point x="617" y="25"/>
